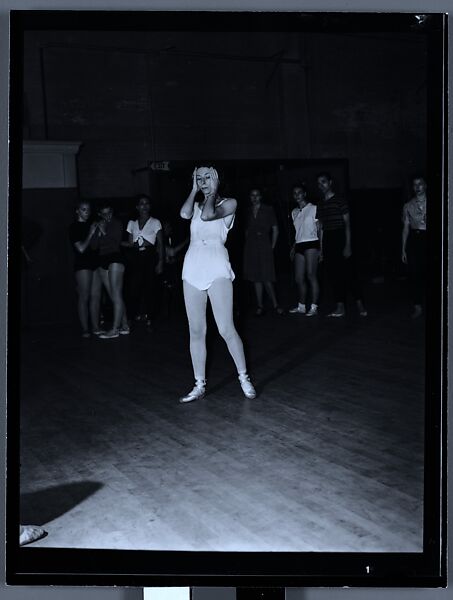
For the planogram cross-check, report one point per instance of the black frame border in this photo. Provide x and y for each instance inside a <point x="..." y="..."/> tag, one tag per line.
<point x="43" y="566"/>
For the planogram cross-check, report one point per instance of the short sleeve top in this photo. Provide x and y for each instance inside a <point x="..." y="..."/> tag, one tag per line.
<point x="148" y="233"/>
<point x="110" y="243"/>
<point x="332" y="211"/>
<point x="414" y="212"/>
<point x="305" y="223"/>
<point x="263" y="222"/>
<point x="78" y="232"/>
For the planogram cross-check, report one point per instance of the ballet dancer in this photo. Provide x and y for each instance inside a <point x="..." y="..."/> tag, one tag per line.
<point x="207" y="273"/>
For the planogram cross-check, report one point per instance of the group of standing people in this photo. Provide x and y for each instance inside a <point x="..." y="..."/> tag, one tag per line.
<point x="322" y="232"/>
<point x="102" y="259"/>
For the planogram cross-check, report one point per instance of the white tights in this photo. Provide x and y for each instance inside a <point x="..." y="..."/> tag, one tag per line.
<point x="220" y="295"/>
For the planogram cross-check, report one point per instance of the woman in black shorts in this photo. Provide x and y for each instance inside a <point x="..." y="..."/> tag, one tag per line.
<point x="81" y="233"/>
<point x="305" y="251"/>
<point x="107" y="241"/>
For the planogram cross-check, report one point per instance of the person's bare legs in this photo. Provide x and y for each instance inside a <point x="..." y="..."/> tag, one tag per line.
<point x="95" y="299"/>
<point x="112" y="279"/>
<point x="116" y="274"/>
<point x="83" y="280"/>
<point x="270" y="289"/>
<point x="258" y="285"/>
<point x="299" y="275"/>
<point x="312" y="261"/>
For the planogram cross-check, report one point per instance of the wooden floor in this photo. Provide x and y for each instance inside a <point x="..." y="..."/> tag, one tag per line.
<point x="329" y="457"/>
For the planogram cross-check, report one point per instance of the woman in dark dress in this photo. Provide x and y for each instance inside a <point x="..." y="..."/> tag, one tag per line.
<point x="88" y="281"/>
<point x="260" y="239"/>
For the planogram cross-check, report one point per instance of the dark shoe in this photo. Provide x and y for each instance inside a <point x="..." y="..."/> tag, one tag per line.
<point x="259" y="311"/>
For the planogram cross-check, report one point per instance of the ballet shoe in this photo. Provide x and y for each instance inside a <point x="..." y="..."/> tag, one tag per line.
<point x="197" y="393"/>
<point x="247" y="386"/>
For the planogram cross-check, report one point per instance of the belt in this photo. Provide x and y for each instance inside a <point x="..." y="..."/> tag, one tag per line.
<point x="206" y="243"/>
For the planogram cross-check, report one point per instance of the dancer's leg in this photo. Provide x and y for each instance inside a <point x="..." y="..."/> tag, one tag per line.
<point x="221" y="296"/>
<point x="116" y="274"/>
<point x="83" y="279"/>
<point x="95" y="299"/>
<point x="195" y="301"/>
<point x="299" y="275"/>
<point x="312" y="260"/>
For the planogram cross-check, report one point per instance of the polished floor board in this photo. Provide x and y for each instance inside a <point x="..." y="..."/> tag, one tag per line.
<point x="329" y="457"/>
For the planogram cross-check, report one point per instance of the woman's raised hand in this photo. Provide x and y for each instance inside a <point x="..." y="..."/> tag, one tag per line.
<point x="195" y="187"/>
<point x="215" y="180"/>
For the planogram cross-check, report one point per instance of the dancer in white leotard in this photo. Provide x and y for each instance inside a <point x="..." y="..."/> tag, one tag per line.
<point x="207" y="273"/>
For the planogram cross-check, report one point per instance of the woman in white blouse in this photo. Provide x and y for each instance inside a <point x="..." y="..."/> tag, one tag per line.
<point x="305" y="251"/>
<point x="147" y="256"/>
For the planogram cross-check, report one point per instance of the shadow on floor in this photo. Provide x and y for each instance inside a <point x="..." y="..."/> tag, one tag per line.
<point x="46" y="505"/>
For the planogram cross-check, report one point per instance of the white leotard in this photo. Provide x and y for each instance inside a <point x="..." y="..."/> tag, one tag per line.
<point x="207" y="258"/>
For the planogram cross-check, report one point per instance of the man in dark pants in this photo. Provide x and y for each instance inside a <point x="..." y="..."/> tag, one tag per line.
<point x="333" y="212"/>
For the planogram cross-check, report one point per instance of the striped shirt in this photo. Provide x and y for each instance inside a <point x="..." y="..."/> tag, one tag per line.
<point x="331" y="212"/>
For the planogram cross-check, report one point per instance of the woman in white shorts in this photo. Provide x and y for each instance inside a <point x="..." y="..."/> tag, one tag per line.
<point x="207" y="273"/>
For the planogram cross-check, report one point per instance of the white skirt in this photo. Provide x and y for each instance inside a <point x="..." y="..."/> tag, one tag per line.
<point x="206" y="261"/>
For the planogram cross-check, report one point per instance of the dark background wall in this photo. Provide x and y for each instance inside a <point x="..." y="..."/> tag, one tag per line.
<point x="135" y="97"/>
<point x="132" y="98"/>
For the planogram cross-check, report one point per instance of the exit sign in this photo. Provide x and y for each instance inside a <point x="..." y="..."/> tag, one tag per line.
<point x="160" y="166"/>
